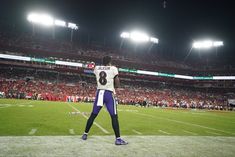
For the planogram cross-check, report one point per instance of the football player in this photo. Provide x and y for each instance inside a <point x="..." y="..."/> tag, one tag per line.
<point x="107" y="78"/>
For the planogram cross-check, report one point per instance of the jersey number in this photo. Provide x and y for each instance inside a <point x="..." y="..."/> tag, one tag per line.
<point x="103" y="79"/>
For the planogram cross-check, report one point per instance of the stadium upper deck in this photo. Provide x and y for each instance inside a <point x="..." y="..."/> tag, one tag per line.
<point x="40" y="46"/>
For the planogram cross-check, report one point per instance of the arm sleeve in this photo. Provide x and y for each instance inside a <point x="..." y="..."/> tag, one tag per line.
<point x="95" y="71"/>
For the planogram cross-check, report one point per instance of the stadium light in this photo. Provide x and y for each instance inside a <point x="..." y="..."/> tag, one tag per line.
<point x="72" y="26"/>
<point x="218" y="43"/>
<point x="43" y="19"/>
<point x="125" y="35"/>
<point x="60" y="23"/>
<point x="47" y="20"/>
<point x="139" y="36"/>
<point x="32" y="17"/>
<point x="206" y="44"/>
<point x="154" y="40"/>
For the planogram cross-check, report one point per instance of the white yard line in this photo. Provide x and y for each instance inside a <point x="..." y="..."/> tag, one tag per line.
<point x="25" y="104"/>
<point x="100" y="127"/>
<point x="208" y="115"/>
<point x="189" y="132"/>
<point x="5" y="105"/>
<point x="137" y="132"/>
<point x="214" y="133"/>
<point x="186" y="123"/>
<point x="71" y="131"/>
<point x="33" y="131"/>
<point x="18" y="104"/>
<point x="164" y="132"/>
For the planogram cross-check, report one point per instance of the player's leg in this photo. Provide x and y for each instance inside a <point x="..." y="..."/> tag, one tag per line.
<point x="112" y="109"/>
<point x="95" y="111"/>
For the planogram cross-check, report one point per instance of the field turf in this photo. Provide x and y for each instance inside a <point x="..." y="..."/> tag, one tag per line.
<point x="44" y="118"/>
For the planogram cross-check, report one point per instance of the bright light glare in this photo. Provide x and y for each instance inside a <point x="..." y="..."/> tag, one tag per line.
<point x="154" y="40"/>
<point x="43" y="19"/>
<point x="125" y="35"/>
<point x="197" y="45"/>
<point x="72" y="26"/>
<point x="46" y="20"/>
<point x="139" y="36"/>
<point x="207" y="44"/>
<point x="202" y="44"/>
<point x="33" y="17"/>
<point x="60" y="23"/>
<point x="218" y="43"/>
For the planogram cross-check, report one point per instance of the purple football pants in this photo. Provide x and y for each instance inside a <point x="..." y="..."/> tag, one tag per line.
<point x="109" y="102"/>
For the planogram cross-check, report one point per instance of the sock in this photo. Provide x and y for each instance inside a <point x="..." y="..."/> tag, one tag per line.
<point x="90" y="122"/>
<point x="115" y="125"/>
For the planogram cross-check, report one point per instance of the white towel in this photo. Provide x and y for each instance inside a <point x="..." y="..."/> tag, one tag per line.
<point x="100" y="101"/>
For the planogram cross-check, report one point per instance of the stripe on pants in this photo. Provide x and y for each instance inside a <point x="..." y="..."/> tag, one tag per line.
<point x="114" y="105"/>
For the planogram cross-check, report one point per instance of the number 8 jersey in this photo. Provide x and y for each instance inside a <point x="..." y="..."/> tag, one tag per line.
<point x="105" y="77"/>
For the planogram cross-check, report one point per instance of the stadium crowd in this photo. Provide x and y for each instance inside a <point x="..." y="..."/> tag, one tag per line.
<point x="55" y="86"/>
<point x="66" y="86"/>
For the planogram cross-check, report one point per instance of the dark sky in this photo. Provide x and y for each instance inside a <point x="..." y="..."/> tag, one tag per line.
<point x="177" y="25"/>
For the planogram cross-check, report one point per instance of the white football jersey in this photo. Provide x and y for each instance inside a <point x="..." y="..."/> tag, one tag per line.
<point x="105" y="77"/>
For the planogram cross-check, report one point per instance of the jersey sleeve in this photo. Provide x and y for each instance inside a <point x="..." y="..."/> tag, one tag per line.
<point x="115" y="71"/>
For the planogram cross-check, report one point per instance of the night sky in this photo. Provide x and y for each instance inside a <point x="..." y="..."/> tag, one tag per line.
<point x="176" y="25"/>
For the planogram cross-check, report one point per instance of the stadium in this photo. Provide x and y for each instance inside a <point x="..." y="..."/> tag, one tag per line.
<point x="175" y="63"/>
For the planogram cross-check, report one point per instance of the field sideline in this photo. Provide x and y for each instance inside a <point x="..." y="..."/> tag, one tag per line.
<point x="36" y="123"/>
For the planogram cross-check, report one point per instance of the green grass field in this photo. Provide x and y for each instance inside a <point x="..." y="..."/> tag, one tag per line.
<point x="19" y="117"/>
<point x="42" y="128"/>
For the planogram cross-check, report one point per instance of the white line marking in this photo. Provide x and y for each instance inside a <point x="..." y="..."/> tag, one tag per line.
<point x="164" y="132"/>
<point x="5" y="105"/>
<point x="186" y="123"/>
<point x="210" y="115"/>
<point x="71" y="131"/>
<point x="24" y="103"/>
<point x="137" y="132"/>
<point x="214" y="133"/>
<point x="33" y="131"/>
<point x="189" y="132"/>
<point x="101" y="128"/>
<point x="18" y="104"/>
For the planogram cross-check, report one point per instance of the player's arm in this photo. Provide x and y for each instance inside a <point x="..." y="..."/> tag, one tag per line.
<point x="116" y="82"/>
<point x="94" y="70"/>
